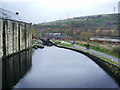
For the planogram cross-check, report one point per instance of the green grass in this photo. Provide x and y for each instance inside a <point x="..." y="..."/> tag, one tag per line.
<point x="68" y="41"/>
<point x="80" y="44"/>
<point x="110" y="61"/>
<point x="109" y="53"/>
<point x="65" y="45"/>
<point x="56" y="41"/>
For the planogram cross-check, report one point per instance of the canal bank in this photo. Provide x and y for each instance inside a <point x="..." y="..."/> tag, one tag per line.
<point x="112" y="69"/>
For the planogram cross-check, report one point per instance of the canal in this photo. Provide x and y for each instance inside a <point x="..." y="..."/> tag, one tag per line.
<point x="54" y="67"/>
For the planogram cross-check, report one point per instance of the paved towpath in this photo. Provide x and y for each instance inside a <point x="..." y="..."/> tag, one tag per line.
<point x="97" y="53"/>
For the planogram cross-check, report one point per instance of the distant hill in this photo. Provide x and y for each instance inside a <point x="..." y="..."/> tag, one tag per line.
<point x="83" y="27"/>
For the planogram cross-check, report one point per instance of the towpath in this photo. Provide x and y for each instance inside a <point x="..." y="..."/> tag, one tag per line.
<point x="117" y="60"/>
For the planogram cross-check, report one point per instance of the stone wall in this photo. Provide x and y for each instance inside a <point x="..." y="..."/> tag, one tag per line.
<point x="14" y="37"/>
<point x="1" y="30"/>
<point x="1" y="53"/>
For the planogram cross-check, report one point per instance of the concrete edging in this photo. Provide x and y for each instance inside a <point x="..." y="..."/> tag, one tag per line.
<point x="111" y="69"/>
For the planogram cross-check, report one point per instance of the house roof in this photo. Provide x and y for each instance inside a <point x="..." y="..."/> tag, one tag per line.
<point x="5" y="14"/>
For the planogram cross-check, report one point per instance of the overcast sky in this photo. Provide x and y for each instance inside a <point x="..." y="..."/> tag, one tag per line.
<point x="38" y="11"/>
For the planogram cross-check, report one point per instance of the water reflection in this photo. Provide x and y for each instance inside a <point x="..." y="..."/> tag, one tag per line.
<point x="0" y="73"/>
<point x="14" y="67"/>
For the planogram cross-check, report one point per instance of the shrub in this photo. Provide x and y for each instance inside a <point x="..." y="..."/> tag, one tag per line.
<point x="116" y="50"/>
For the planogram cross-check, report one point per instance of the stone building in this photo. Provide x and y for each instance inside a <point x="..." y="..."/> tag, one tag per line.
<point x="58" y="36"/>
<point x="15" y="33"/>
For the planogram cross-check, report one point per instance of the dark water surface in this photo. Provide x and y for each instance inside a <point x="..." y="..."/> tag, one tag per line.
<point x="0" y="73"/>
<point x="54" y="67"/>
<point x="15" y="67"/>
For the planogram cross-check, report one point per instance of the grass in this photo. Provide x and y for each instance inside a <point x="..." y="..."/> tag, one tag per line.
<point x="80" y="44"/>
<point x="65" y="45"/>
<point x="109" y="53"/>
<point x="110" y="61"/>
<point x="56" y="41"/>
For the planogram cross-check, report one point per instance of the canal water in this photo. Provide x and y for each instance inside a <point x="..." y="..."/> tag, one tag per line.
<point x="54" y="67"/>
<point x="14" y="67"/>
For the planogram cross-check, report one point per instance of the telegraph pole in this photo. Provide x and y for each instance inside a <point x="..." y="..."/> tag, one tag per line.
<point x="119" y="7"/>
<point x="114" y="9"/>
<point x="67" y="16"/>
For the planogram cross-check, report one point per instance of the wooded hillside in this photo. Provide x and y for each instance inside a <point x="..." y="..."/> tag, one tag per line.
<point x="82" y="27"/>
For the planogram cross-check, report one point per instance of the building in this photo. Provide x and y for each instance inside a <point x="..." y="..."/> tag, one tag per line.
<point x="58" y="36"/>
<point x="104" y="40"/>
<point x="15" y="33"/>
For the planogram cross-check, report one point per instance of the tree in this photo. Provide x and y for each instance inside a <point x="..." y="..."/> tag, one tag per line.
<point x="33" y="32"/>
<point x="85" y="35"/>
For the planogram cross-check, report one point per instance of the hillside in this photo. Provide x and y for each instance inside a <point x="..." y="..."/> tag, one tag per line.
<point x="82" y="27"/>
